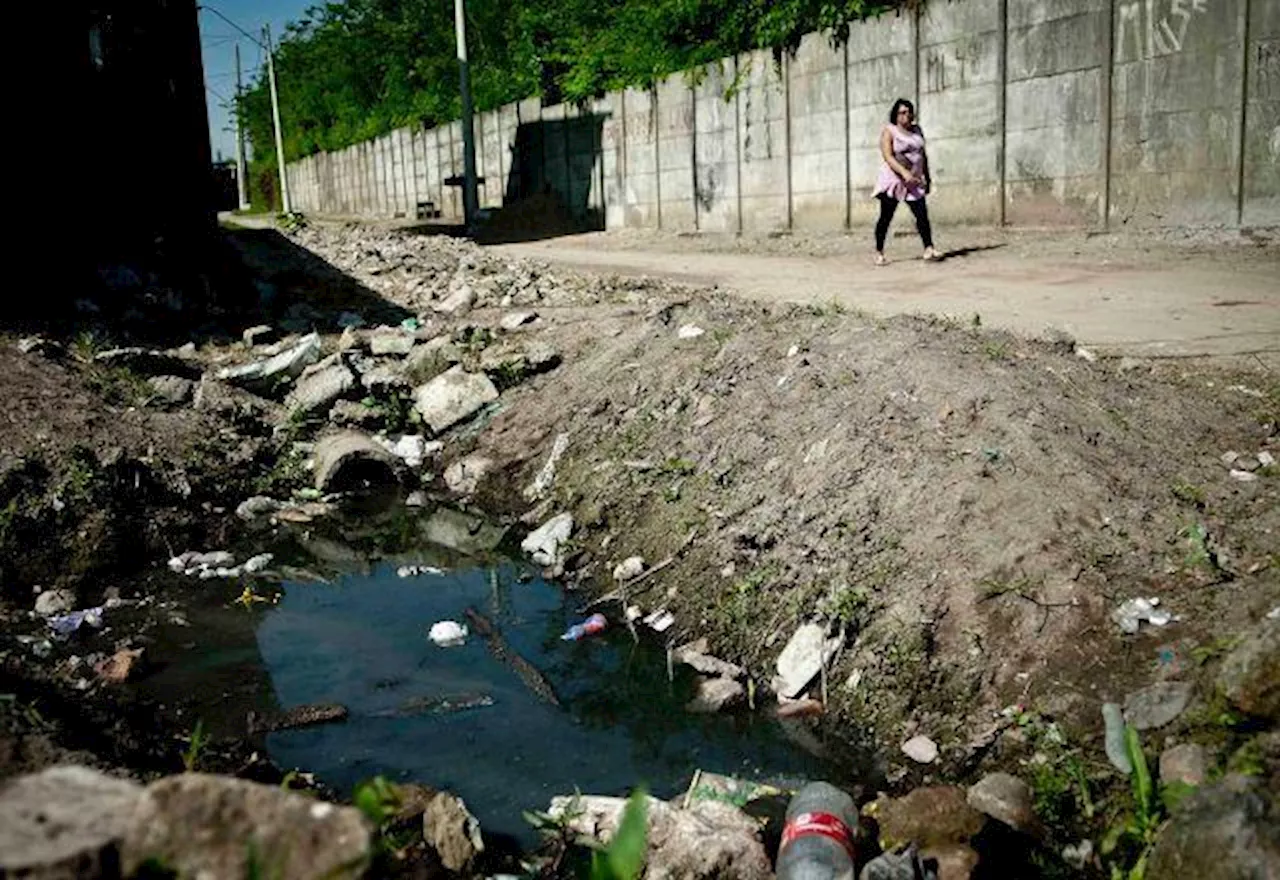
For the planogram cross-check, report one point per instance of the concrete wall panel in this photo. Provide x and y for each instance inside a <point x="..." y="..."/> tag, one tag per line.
<point x="675" y="152"/>
<point x="762" y="143"/>
<point x="1261" y="204"/>
<point x="1175" y="101"/>
<point x="716" y="149"/>
<point x="819" y="132"/>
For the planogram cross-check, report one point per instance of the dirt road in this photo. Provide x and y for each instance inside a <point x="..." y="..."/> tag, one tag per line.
<point x="1118" y="295"/>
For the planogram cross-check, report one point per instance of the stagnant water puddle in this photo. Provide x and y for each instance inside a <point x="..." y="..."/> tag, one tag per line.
<point x="600" y="715"/>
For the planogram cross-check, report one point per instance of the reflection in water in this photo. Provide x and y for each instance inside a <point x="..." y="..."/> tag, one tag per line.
<point x="462" y="718"/>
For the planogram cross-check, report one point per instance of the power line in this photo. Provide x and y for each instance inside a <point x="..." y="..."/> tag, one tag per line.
<point x="209" y="8"/>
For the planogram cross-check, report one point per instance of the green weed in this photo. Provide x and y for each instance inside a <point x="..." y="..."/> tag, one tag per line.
<point x="196" y="744"/>
<point x="996" y="350"/>
<point x="1188" y="493"/>
<point x="1128" y="842"/>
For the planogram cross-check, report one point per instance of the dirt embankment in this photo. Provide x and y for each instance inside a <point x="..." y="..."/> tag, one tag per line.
<point x="963" y="509"/>
<point x="966" y="509"/>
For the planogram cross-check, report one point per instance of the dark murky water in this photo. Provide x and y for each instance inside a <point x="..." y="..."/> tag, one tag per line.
<point x="361" y="640"/>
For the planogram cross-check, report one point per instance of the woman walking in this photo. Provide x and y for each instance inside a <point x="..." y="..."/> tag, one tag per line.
<point x="904" y="176"/>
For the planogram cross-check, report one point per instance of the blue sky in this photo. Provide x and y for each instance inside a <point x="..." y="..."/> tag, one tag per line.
<point x="218" y="40"/>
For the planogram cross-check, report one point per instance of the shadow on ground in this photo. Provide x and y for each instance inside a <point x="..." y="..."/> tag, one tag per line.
<point x="209" y="290"/>
<point x="957" y="253"/>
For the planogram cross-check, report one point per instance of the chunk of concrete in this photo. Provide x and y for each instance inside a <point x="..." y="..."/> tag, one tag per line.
<point x="288" y="364"/>
<point x="318" y="391"/>
<point x="464" y="475"/>
<point x="453" y="396"/>
<point x="66" y="821"/>
<point x="1250" y="674"/>
<point x="449" y="828"/>
<point x="214" y="826"/>
<point x="803" y="658"/>
<point x="546" y="543"/>
<point x="716" y="695"/>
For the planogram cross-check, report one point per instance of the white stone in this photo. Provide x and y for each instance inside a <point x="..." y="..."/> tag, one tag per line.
<point x="289" y="363"/>
<point x="545" y="543"/>
<point x="541" y="485"/>
<point x="1243" y="476"/>
<point x="921" y="749"/>
<point x="457" y="303"/>
<point x="803" y="657"/>
<point x="255" y="564"/>
<point x="516" y="320"/>
<point x="690" y="331"/>
<point x="628" y="569"/>
<point x="452" y="396"/>
<point x="1266" y="459"/>
<point x="464" y="475"/>
<point x="52" y="602"/>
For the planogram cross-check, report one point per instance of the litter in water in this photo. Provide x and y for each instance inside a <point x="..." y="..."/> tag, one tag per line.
<point x="408" y="571"/>
<point x="447" y="633"/>
<point x="589" y="627"/>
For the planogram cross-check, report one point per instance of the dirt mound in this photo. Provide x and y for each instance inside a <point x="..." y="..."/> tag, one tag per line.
<point x="969" y="507"/>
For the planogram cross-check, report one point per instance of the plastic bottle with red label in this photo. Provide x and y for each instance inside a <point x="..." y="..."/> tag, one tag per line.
<point x="589" y="627"/>
<point x="818" y="839"/>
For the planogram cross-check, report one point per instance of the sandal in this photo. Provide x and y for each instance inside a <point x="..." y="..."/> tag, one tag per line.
<point x="881" y="261"/>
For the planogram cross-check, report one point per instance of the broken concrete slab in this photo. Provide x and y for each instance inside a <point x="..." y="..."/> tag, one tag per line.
<point x="172" y="390"/>
<point x="288" y="364"/>
<point x="350" y="457"/>
<point x="453" y="396"/>
<point x="459" y="302"/>
<point x="546" y="543"/>
<point x="1157" y="705"/>
<point x="200" y="825"/>
<point x="449" y="828"/>
<point x="390" y="341"/>
<point x="464" y="475"/>
<point x="716" y="695"/>
<point x="709" y="839"/>
<point x="318" y="391"/>
<point x="463" y="532"/>
<point x="803" y="658"/>
<point x="66" y="821"/>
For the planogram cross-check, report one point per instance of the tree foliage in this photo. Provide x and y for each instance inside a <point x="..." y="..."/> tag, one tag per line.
<point x="348" y="71"/>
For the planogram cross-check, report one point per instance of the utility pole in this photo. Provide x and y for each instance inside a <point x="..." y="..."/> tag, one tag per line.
<point x="285" y="204"/>
<point x="242" y="184"/>
<point x="469" y="194"/>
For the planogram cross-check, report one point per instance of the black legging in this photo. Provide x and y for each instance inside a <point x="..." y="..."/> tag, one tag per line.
<point x="888" y="205"/>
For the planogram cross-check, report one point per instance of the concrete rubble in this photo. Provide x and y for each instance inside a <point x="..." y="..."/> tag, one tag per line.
<point x="708" y="839"/>
<point x="288" y="364"/>
<point x="453" y="396"/>
<point x="803" y="658"/>
<point x="545" y="544"/>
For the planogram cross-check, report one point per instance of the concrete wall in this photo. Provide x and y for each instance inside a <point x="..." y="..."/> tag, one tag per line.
<point x="1077" y="113"/>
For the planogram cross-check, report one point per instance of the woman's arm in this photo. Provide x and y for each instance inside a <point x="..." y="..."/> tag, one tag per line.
<point x="886" y="150"/>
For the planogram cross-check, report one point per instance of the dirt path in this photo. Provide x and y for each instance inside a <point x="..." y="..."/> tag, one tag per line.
<point x="1121" y="297"/>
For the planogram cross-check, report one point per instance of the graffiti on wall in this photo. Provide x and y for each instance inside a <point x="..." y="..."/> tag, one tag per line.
<point x="1152" y="28"/>
<point x="1266" y="68"/>
<point x="951" y="67"/>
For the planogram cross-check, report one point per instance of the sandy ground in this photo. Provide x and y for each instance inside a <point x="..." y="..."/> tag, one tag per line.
<point x="1122" y="295"/>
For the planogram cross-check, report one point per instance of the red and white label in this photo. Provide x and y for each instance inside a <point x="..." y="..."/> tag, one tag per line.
<point x="822" y="824"/>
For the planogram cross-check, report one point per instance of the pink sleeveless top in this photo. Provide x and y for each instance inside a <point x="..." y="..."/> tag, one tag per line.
<point x="908" y="148"/>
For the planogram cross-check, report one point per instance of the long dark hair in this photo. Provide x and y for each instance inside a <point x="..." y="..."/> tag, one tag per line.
<point x="898" y="105"/>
